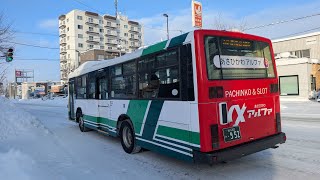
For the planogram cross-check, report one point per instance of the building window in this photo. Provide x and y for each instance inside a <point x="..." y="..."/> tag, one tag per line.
<point x="90" y="46"/>
<point x="125" y="26"/>
<point x="100" y="21"/>
<point x="80" y="36"/>
<point x="68" y="46"/>
<point x="101" y="47"/>
<point x="80" y="45"/>
<point x="301" y="53"/>
<point x="132" y="28"/>
<point x="101" y="30"/>
<point x="126" y="34"/>
<point x="132" y="36"/>
<point x="108" y="23"/>
<point x="101" y="38"/>
<point x="90" y="20"/>
<point x="80" y="27"/>
<point x="68" y="56"/>
<point x="68" y="38"/>
<point x="90" y="28"/>
<point x="68" y="20"/>
<point x="108" y="32"/>
<point x="79" y="17"/>
<point x="91" y="38"/>
<point x="110" y="48"/>
<point x="289" y="85"/>
<point x="67" y="28"/>
<point x="100" y="57"/>
<point x="139" y="29"/>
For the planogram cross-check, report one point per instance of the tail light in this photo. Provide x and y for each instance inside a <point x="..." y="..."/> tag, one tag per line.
<point x="216" y="92"/>
<point x="274" y="88"/>
<point x="215" y="136"/>
<point x="278" y="122"/>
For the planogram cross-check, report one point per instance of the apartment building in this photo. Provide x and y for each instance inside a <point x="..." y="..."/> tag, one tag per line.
<point x="298" y="64"/>
<point x="81" y="31"/>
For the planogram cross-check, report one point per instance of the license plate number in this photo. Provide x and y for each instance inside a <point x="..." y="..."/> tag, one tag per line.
<point x="231" y="134"/>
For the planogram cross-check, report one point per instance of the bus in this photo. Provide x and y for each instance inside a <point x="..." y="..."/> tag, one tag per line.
<point x="204" y="96"/>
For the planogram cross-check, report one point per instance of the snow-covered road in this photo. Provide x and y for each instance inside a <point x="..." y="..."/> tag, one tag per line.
<point x="60" y="151"/>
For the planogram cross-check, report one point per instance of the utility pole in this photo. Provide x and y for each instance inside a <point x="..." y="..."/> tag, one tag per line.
<point x="116" y="6"/>
<point x="166" y="15"/>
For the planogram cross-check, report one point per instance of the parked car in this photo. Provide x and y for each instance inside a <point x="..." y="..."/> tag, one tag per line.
<point x="37" y="93"/>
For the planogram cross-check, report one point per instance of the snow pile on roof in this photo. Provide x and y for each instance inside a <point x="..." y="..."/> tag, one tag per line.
<point x="14" y="120"/>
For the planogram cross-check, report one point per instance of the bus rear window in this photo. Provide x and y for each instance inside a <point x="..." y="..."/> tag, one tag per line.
<point x="230" y="58"/>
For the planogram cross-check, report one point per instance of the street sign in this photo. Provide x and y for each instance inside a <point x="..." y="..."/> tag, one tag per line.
<point x="18" y="73"/>
<point x="196" y="14"/>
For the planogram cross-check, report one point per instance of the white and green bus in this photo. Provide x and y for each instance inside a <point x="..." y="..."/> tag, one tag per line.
<point x="184" y="97"/>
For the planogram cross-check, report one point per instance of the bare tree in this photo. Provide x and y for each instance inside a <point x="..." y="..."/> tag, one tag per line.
<point x="6" y="35"/>
<point x="221" y="24"/>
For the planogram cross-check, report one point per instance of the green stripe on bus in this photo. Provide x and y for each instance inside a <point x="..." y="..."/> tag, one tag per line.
<point x="178" y="40"/>
<point x="90" y="118"/>
<point x="154" y="48"/>
<point x="100" y="120"/>
<point x="107" y="122"/>
<point x="136" y="111"/>
<point x="179" y="134"/>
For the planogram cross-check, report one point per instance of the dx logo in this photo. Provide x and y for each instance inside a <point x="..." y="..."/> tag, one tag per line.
<point x="226" y="115"/>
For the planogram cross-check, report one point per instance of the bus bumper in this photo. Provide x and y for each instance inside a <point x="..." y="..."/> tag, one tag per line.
<point x="240" y="150"/>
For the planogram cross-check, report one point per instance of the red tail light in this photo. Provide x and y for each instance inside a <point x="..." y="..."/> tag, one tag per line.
<point x="278" y="122"/>
<point x="215" y="136"/>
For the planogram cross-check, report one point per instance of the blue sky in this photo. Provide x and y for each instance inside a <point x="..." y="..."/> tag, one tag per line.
<point x="41" y="16"/>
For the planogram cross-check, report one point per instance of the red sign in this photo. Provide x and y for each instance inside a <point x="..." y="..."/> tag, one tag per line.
<point x="18" y="73"/>
<point x="196" y="14"/>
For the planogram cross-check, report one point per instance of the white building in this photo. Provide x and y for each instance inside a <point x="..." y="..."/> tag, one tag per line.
<point x="82" y="30"/>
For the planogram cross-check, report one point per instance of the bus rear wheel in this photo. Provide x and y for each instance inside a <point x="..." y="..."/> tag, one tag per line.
<point x="82" y="127"/>
<point x="128" y="140"/>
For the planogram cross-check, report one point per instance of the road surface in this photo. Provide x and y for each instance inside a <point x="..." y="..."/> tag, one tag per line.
<point x="66" y="153"/>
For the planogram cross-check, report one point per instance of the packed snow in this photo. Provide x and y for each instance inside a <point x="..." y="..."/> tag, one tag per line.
<point x="39" y="142"/>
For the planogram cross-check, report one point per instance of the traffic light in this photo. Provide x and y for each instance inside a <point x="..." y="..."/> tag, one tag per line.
<point x="9" y="56"/>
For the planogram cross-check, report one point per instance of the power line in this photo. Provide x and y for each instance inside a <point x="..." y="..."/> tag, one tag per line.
<point x="23" y="44"/>
<point x="283" y="21"/>
<point x="296" y="33"/>
<point x="88" y="6"/>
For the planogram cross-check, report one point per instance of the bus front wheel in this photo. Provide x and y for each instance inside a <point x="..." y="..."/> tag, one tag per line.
<point x="128" y="140"/>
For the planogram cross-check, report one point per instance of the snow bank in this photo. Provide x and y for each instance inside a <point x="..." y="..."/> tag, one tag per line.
<point x="57" y="101"/>
<point x="14" y="120"/>
<point x="15" y="165"/>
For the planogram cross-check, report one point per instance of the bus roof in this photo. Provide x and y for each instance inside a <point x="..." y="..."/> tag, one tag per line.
<point x="90" y="66"/>
<point x="175" y="41"/>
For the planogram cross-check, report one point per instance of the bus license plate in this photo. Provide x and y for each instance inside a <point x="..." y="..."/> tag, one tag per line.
<point x="231" y="134"/>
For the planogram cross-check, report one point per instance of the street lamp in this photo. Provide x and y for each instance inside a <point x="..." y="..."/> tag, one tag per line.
<point x="166" y="15"/>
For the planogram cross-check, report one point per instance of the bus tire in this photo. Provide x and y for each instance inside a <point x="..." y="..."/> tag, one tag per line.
<point x="127" y="137"/>
<point x="82" y="127"/>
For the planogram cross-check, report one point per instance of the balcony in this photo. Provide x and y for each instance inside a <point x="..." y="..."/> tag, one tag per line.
<point x="134" y="30"/>
<point x="63" y="51"/>
<point x="91" y="23"/>
<point x="93" y="33"/>
<point x="112" y="34"/>
<point x="111" y="43"/>
<point x="62" y="24"/>
<point x="63" y="60"/>
<point x="136" y="39"/>
<point x="62" y="33"/>
<point x="93" y="41"/>
<point x="111" y="26"/>
<point x="63" y="42"/>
